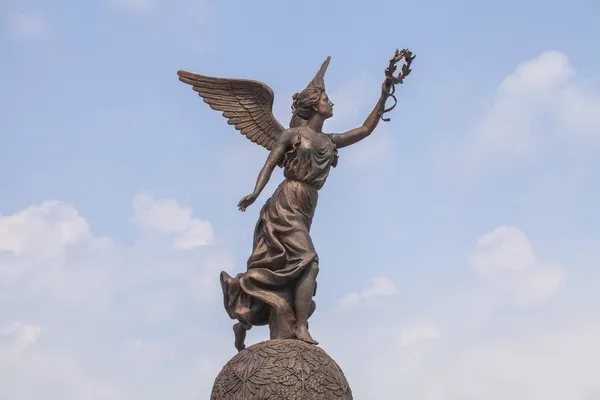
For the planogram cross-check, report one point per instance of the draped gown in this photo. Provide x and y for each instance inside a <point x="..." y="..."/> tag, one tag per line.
<point x="282" y="249"/>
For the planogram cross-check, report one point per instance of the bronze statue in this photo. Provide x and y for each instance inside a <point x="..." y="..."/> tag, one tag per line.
<point x="278" y="286"/>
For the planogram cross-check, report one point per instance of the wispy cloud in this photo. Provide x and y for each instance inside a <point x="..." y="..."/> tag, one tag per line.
<point x="139" y="7"/>
<point x="19" y="335"/>
<point x="381" y="286"/>
<point x="29" y="25"/>
<point x="415" y="334"/>
<point x="506" y="257"/>
<point x="543" y="98"/>
<point x="169" y="217"/>
<point x="68" y="284"/>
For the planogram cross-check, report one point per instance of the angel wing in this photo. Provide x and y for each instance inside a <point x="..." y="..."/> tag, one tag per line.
<point x="247" y="105"/>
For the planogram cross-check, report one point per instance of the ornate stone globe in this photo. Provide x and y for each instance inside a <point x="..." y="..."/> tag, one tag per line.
<point x="281" y="370"/>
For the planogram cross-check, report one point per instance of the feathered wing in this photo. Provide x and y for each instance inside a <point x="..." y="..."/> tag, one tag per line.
<point x="247" y="105"/>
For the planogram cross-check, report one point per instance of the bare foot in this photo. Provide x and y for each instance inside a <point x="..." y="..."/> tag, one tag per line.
<point x="301" y="333"/>
<point x="240" y="336"/>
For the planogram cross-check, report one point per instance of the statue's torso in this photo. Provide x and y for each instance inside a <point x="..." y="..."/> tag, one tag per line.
<point x="310" y="158"/>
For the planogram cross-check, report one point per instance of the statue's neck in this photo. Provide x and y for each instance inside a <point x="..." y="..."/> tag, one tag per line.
<point x="316" y="123"/>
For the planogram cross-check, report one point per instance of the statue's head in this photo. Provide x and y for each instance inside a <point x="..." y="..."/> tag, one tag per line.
<point x="312" y="100"/>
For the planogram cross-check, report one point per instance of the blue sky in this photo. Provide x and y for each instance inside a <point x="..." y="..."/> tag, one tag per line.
<point x="458" y="243"/>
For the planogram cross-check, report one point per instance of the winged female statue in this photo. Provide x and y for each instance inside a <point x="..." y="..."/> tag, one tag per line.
<point x="278" y="286"/>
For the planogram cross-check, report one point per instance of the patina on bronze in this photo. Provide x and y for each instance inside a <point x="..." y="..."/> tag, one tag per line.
<point x="278" y="286"/>
<point x="281" y="369"/>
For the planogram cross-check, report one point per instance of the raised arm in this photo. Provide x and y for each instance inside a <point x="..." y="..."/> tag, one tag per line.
<point x="275" y="156"/>
<point x="358" y="134"/>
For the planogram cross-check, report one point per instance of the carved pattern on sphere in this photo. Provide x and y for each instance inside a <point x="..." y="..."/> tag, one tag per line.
<point x="281" y="370"/>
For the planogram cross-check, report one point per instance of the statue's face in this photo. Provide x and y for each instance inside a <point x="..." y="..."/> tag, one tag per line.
<point x="325" y="106"/>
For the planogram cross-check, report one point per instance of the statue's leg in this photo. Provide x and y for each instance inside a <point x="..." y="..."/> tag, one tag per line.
<point x="274" y="326"/>
<point x="303" y="301"/>
<point x="313" y="307"/>
<point x="239" y="330"/>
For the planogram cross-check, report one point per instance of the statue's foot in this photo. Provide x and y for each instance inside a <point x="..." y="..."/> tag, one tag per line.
<point x="239" y="332"/>
<point x="301" y="333"/>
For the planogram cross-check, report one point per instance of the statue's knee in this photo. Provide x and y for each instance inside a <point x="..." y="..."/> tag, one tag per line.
<point x="244" y="324"/>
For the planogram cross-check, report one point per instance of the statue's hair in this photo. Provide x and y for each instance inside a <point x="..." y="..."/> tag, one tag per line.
<point x="303" y="105"/>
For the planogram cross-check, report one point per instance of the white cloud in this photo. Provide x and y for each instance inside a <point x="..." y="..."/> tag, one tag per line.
<point x="542" y="97"/>
<point x="19" y="336"/>
<point x="168" y="217"/>
<point x="80" y="311"/>
<point x="506" y="257"/>
<point x="581" y="111"/>
<point x="54" y="376"/>
<point x="413" y="335"/>
<point x="381" y="286"/>
<point x="29" y="25"/>
<point x="553" y="365"/>
<point x="47" y="230"/>
<point x="41" y="235"/>
<point x="126" y="323"/>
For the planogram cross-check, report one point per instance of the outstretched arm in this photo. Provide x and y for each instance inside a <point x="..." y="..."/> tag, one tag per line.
<point x="358" y="134"/>
<point x="273" y="159"/>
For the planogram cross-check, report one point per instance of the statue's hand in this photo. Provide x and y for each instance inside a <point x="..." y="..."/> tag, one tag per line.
<point x="247" y="201"/>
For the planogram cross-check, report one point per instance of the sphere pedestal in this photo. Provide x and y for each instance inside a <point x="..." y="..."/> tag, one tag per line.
<point x="281" y="370"/>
